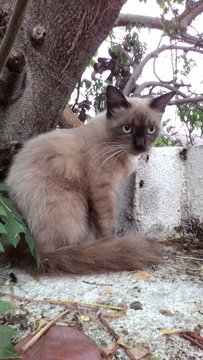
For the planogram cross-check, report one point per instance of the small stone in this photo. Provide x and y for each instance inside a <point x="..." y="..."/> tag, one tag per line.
<point x="136" y="305"/>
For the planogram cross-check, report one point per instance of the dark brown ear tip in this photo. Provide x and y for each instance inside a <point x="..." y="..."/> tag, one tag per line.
<point x="159" y="103"/>
<point x="110" y="87"/>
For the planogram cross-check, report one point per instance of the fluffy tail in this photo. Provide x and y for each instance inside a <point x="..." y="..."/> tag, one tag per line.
<point x="125" y="253"/>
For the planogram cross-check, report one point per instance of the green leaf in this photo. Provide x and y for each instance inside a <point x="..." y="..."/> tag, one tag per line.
<point x="7" y="204"/>
<point x="14" y="226"/>
<point x="6" y="335"/>
<point x="2" y="229"/>
<point x="3" y="187"/>
<point x="9" y="352"/>
<point x="32" y="247"/>
<point x="13" y="229"/>
<point x="1" y="248"/>
<point x="4" y="307"/>
<point x="3" y="211"/>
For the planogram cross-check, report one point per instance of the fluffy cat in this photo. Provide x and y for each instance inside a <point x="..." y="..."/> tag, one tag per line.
<point x="64" y="182"/>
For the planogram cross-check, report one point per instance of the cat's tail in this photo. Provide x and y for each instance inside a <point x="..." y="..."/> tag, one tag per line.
<point x="125" y="253"/>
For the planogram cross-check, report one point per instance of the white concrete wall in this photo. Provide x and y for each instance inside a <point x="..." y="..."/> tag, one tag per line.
<point x="169" y="189"/>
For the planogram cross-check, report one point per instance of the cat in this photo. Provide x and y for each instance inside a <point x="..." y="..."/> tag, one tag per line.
<point x="64" y="184"/>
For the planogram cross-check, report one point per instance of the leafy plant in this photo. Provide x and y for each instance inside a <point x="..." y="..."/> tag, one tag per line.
<point x="7" y="350"/>
<point x="166" y="139"/>
<point x="12" y="225"/>
<point x="115" y="68"/>
<point x="192" y="117"/>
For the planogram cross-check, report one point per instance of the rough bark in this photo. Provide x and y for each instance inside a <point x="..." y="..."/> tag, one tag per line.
<point x="71" y="33"/>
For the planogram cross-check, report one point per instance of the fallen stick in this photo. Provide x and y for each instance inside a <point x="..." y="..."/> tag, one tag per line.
<point x="193" y="338"/>
<point x="116" y="337"/>
<point x="63" y="302"/>
<point x="189" y="258"/>
<point x="36" y="337"/>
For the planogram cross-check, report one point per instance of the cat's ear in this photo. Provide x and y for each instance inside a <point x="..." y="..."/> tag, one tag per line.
<point x="159" y="103"/>
<point x="115" y="99"/>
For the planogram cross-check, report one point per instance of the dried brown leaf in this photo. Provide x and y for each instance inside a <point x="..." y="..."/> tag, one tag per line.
<point x="61" y="343"/>
<point x="165" y="312"/>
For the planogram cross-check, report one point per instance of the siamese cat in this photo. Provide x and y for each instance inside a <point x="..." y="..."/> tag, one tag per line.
<point x="64" y="184"/>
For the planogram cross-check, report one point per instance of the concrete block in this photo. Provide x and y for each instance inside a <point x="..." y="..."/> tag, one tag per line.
<point x="194" y="179"/>
<point x="169" y="189"/>
<point x="168" y="192"/>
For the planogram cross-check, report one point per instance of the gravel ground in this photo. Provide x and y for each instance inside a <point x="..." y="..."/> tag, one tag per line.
<point x="168" y="297"/>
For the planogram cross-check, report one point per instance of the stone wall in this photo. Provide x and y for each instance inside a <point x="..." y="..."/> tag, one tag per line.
<point x="167" y="192"/>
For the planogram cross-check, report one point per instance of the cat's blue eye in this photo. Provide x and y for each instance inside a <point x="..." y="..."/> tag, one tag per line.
<point x="126" y="129"/>
<point x="151" y="130"/>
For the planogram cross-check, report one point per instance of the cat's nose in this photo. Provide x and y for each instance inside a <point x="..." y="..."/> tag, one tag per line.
<point x="139" y="143"/>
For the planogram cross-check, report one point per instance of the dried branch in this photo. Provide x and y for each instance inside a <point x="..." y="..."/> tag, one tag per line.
<point x="188" y="16"/>
<point x="165" y="84"/>
<point x="37" y="336"/>
<point x="185" y="19"/>
<point x="139" y="21"/>
<point x="139" y="68"/>
<point x="154" y="61"/>
<point x="63" y="302"/>
<point x="187" y="100"/>
<point x="193" y="40"/>
<point x="182" y="22"/>
<point x="12" y="30"/>
<point x="169" y="85"/>
<point x="116" y="337"/>
<point x="194" y="338"/>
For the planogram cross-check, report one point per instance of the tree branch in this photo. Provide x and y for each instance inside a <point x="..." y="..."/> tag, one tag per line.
<point x="187" y="100"/>
<point x="12" y="30"/>
<point x="154" y="84"/>
<point x="138" y="68"/>
<point x="190" y="39"/>
<point x="139" y="21"/>
<point x="185" y="19"/>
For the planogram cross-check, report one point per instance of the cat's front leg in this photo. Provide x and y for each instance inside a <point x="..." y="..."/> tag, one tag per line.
<point x="102" y="212"/>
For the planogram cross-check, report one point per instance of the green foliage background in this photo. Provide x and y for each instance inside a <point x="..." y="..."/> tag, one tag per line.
<point x="7" y="350"/>
<point x="12" y="226"/>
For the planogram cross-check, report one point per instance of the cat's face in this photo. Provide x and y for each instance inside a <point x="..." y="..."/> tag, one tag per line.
<point x="134" y="123"/>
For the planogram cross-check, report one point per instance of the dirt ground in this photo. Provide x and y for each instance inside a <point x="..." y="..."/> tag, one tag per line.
<point x="155" y="305"/>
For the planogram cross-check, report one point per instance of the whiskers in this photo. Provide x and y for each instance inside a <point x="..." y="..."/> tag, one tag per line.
<point x="109" y="154"/>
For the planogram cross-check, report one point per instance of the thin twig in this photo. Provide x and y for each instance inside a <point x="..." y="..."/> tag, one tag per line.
<point x="193" y="339"/>
<point x="36" y="337"/>
<point x="95" y="283"/>
<point x="64" y="302"/>
<point x="12" y="30"/>
<point x="155" y="58"/>
<point x="189" y="258"/>
<point x="109" y="354"/>
<point x="116" y="337"/>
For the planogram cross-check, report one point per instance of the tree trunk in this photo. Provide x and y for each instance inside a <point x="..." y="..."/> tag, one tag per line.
<point x="57" y="39"/>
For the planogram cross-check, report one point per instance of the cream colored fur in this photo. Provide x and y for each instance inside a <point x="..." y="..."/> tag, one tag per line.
<point x="64" y="183"/>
